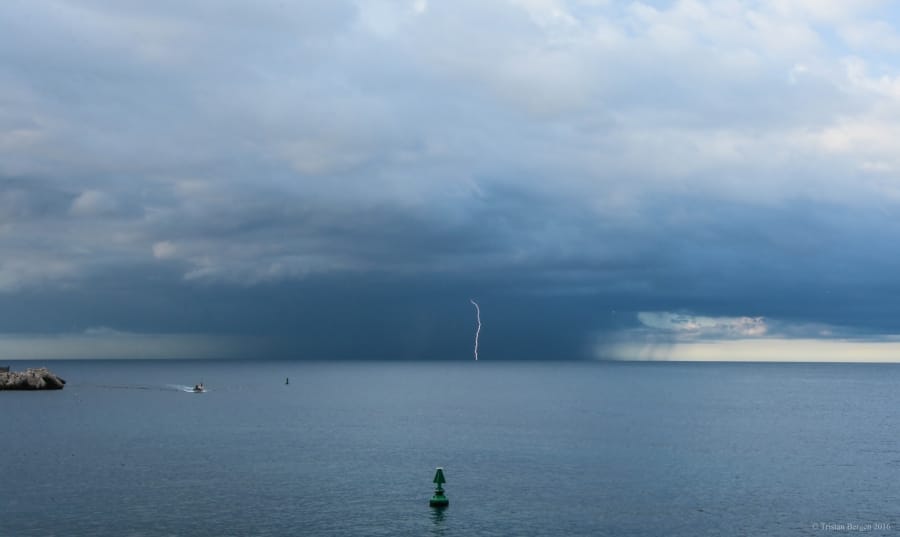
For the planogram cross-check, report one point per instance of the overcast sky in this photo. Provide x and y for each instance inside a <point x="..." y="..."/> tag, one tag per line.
<point x="335" y="179"/>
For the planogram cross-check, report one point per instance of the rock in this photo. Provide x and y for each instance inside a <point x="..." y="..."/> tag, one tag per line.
<point x="39" y="378"/>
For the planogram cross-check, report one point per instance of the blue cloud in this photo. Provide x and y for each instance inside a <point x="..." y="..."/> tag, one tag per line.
<point x="368" y="167"/>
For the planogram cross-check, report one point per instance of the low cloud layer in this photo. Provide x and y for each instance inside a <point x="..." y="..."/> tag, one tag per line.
<point x="111" y="344"/>
<point x="683" y="326"/>
<point x="761" y="350"/>
<point x="339" y="178"/>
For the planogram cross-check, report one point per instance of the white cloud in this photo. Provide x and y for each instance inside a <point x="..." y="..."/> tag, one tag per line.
<point x="547" y="13"/>
<point x="385" y="18"/>
<point x="694" y="326"/>
<point x="319" y="157"/>
<point x="667" y="336"/>
<point x="598" y="104"/>
<point x="875" y="35"/>
<point x="164" y="250"/>
<point x="831" y="11"/>
<point x="93" y="203"/>
<point x="17" y="272"/>
<point x="758" y="350"/>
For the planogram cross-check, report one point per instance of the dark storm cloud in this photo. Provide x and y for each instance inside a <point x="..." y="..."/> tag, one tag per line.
<point x="337" y="179"/>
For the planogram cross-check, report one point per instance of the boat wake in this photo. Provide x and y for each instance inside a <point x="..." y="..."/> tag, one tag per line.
<point x="163" y="388"/>
<point x="183" y="388"/>
<point x="127" y="387"/>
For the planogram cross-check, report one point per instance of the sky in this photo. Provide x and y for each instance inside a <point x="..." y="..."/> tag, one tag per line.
<point x="336" y="179"/>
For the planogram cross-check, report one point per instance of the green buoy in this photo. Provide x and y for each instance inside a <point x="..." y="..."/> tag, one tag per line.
<point x="439" y="500"/>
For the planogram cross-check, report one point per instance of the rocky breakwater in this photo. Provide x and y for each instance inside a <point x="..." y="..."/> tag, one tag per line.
<point x="39" y="378"/>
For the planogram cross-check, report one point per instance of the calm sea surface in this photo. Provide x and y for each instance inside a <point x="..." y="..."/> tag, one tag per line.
<point x="550" y="449"/>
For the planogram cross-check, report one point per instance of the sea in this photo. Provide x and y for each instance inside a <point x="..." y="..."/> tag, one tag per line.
<point x="527" y="448"/>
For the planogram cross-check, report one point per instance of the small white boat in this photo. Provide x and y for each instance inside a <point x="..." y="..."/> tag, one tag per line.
<point x="199" y="388"/>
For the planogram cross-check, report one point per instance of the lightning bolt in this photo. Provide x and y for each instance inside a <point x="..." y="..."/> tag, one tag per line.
<point x="478" y="329"/>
